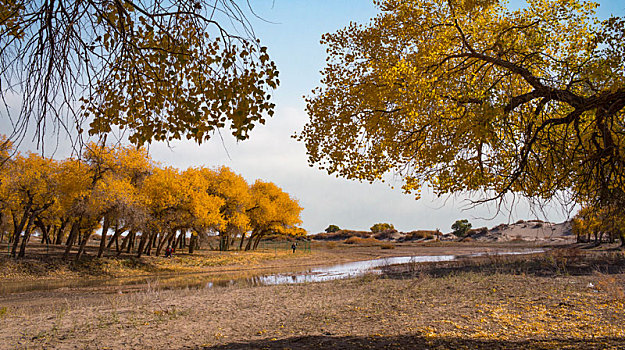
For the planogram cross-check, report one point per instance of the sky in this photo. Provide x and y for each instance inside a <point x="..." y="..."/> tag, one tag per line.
<point x="291" y="29"/>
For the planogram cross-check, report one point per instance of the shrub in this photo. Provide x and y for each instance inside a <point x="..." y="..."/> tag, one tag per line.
<point x="359" y="240"/>
<point x="353" y="240"/>
<point x="332" y="228"/>
<point x="387" y="246"/>
<point x="379" y="227"/>
<point x="419" y="234"/>
<point x="340" y="235"/>
<point x="386" y="234"/>
<point x="461" y="227"/>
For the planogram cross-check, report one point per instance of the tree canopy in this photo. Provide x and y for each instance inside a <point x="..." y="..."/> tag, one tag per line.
<point x="468" y="95"/>
<point x="161" y="70"/>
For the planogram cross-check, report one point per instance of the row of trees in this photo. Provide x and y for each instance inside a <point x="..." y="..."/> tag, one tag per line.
<point x="599" y="223"/>
<point x="147" y="207"/>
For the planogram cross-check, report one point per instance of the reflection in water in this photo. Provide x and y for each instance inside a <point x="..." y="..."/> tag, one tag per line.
<point x="247" y="278"/>
<point x="360" y="268"/>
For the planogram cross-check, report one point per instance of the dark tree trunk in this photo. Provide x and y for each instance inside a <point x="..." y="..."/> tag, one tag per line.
<point x="151" y="239"/>
<point x="192" y="243"/>
<point x="126" y="242"/>
<point x="105" y="228"/>
<point x="73" y="232"/>
<point x="258" y="238"/>
<point x="26" y="236"/>
<point x="178" y="243"/>
<point x="164" y="239"/>
<point x="116" y="235"/>
<point x="83" y="244"/>
<point x="248" y="246"/>
<point x="59" y="232"/>
<point x="242" y="239"/>
<point x="132" y="241"/>
<point x="20" y="227"/>
<point x="144" y="238"/>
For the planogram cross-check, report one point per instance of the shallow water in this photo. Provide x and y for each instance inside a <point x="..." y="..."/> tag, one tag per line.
<point x="257" y="277"/>
<point x="360" y="268"/>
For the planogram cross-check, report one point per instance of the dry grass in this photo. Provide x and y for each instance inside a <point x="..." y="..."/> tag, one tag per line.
<point x="370" y="241"/>
<point x="464" y="308"/>
<point x="420" y="234"/>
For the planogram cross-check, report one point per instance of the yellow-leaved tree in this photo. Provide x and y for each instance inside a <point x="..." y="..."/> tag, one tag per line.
<point x="160" y="69"/>
<point x="237" y="199"/>
<point x="273" y="211"/>
<point x="31" y="190"/>
<point x="466" y="95"/>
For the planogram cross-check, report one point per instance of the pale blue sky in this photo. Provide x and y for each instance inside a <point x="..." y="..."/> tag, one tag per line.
<point x="271" y="154"/>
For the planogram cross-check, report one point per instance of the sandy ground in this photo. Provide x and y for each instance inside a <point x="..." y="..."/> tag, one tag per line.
<point x="532" y="231"/>
<point x="490" y="309"/>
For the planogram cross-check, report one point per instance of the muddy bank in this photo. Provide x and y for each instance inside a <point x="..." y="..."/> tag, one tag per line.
<point x="228" y="268"/>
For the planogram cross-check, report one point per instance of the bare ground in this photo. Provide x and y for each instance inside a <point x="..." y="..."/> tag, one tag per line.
<point x="514" y="304"/>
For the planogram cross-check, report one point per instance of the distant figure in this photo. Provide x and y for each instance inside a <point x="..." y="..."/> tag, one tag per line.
<point x="294" y="246"/>
<point x="168" y="252"/>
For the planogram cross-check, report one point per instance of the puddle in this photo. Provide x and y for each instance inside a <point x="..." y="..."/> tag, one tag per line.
<point x="257" y="277"/>
<point x="361" y="268"/>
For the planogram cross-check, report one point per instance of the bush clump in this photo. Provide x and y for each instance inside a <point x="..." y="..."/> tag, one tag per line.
<point x="332" y="228"/>
<point x="461" y="227"/>
<point x="359" y="240"/>
<point x="420" y="234"/>
<point x="379" y="227"/>
<point x="340" y="235"/>
<point x="386" y="234"/>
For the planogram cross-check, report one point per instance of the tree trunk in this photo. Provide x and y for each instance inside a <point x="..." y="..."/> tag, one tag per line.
<point x="73" y="232"/>
<point x="126" y="242"/>
<point x="151" y="239"/>
<point x="105" y="227"/>
<point x="164" y="239"/>
<point x="26" y="236"/>
<point x="132" y="241"/>
<point x="248" y="246"/>
<point x="192" y="243"/>
<point x="179" y="241"/>
<point x="242" y="239"/>
<point x="116" y="235"/>
<point x="59" y="232"/>
<point x="18" y="229"/>
<point x="258" y="238"/>
<point x="83" y="244"/>
<point x="141" y="243"/>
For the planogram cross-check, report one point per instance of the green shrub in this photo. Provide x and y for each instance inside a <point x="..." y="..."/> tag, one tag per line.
<point x="379" y="227"/>
<point x="332" y="228"/>
<point x="461" y="227"/>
